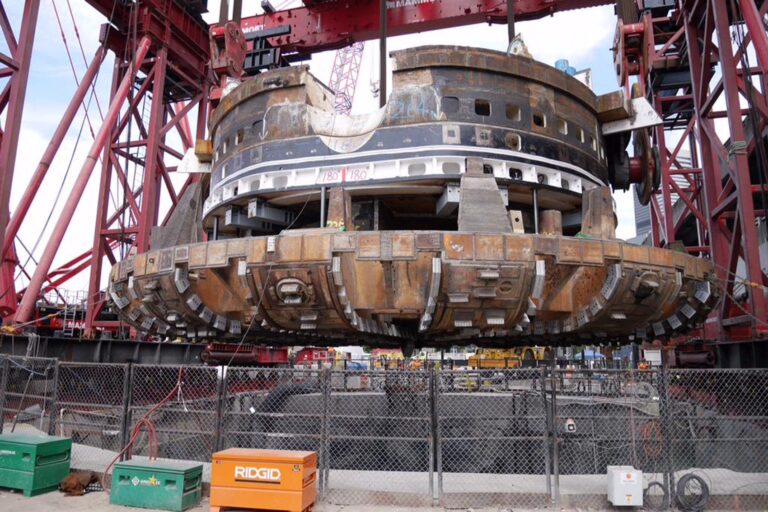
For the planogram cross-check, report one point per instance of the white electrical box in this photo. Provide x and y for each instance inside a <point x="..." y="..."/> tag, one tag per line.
<point x="625" y="486"/>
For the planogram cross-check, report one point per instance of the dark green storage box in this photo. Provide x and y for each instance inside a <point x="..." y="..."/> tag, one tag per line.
<point x="33" y="464"/>
<point x="163" y="485"/>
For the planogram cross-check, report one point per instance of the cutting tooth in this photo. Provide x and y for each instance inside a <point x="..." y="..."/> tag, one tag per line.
<point x="194" y="302"/>
<point x="538" y="281"/>
<point x="674" y="322"/>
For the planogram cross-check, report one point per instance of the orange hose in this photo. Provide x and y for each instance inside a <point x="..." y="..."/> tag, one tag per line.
<point x="146" y="423"/>
<point x="651" y="433"/>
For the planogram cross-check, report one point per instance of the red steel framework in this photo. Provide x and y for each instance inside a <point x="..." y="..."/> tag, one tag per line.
<point x="160" y="76"/>
<point x="15" y="74"/>
<point x="694" y="64"/>
<point x="719" y="189"/>
<point x="317" y="26"/>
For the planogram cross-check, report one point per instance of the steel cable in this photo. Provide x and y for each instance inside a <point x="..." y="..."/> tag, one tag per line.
<point x="688" y="496"/>
<point x="650" y="499"/>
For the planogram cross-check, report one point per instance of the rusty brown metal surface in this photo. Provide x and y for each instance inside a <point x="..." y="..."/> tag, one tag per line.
<point x="612" y="107"/>
<point x="598" y="218"/>
<point x="437" y="288"/>
<point x="551" y="223"/>
<point x="454" y="98"/>
<point x="462" y="57"/>
<point x="432" y="206"/>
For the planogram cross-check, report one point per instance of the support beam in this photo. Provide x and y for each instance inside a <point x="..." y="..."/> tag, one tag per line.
<point x="152" y="175"/>
<point x="36" y="182"/>
<point x="22" y="55"/>
<point x="383" y="58"/>
<point x="324" y="26"/>
<point x="754" y="21"/>
<point x="738" y="162"/>
<point x="26" y="307"/>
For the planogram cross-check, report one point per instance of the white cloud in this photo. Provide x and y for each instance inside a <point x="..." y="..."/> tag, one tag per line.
<point x="573" y="35"/>
<point x="625" y="213"/>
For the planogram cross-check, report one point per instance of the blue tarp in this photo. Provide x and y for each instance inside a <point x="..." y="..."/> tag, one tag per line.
<point x="589" y="355"/>
<point x="624" y="352"/>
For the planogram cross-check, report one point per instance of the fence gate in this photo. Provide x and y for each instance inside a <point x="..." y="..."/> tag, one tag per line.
<point x="492" y="439"/>
<point x="379" y="438"/>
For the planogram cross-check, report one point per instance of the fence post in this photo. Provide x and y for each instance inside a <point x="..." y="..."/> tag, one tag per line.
<point x="325" y="452"/>
<point x="669" y="475"/>
<point x="126" y="420"/>
<point x="438" y="440"/>
<point x="547" y="431"/>
<point x="54" y="398"/>
<point x="432" y="377"/>
<point x="221" y="398"/>
<point x="555" y="440"/>
<point x="6" y="368"/>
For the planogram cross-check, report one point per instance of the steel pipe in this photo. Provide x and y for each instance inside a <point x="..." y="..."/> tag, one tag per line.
<point x="27" y="304"/>
<point x="53" y="147"/>
<point x="22" y="53"/>
<point x="754" y="22"/>
<point x="382" y="53"/>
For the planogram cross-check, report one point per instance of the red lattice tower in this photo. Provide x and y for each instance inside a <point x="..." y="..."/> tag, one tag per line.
<point x="346" y="69"/>
<point x="701" y="63"/>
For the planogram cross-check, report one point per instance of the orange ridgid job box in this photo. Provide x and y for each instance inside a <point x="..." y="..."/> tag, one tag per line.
<point x="263" y="480"/>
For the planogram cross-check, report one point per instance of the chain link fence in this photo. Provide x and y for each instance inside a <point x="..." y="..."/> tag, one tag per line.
<point x="27" y="394"/>
<point x="280" y="409"/>
<point x="522" y="438"/>
<point x="91" y="404"/>
<point x="182" y="404"/>
<point x="718" y="432"/>
<point x="603" y="418"/>
<point x="492" y="439"/>
<point x="379" y="438"/>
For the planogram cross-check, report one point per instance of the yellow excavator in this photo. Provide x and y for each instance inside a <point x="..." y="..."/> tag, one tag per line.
<point x="518" y="357"/>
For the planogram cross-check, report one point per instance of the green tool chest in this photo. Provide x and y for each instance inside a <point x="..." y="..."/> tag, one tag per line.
<point x="33" y="464"/>
<point x="163" y="485"/>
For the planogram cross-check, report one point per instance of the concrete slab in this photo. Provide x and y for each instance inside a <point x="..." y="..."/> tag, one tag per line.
<point x="99" y="502"/>
<point x="400" y="491"/>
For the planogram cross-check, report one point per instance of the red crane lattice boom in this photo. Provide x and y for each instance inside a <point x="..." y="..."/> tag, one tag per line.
<point x="15" y="71"/>
<point x="344" y="75"/>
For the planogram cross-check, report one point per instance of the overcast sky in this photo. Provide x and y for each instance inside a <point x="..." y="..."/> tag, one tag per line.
<point x="584" y="37"/>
